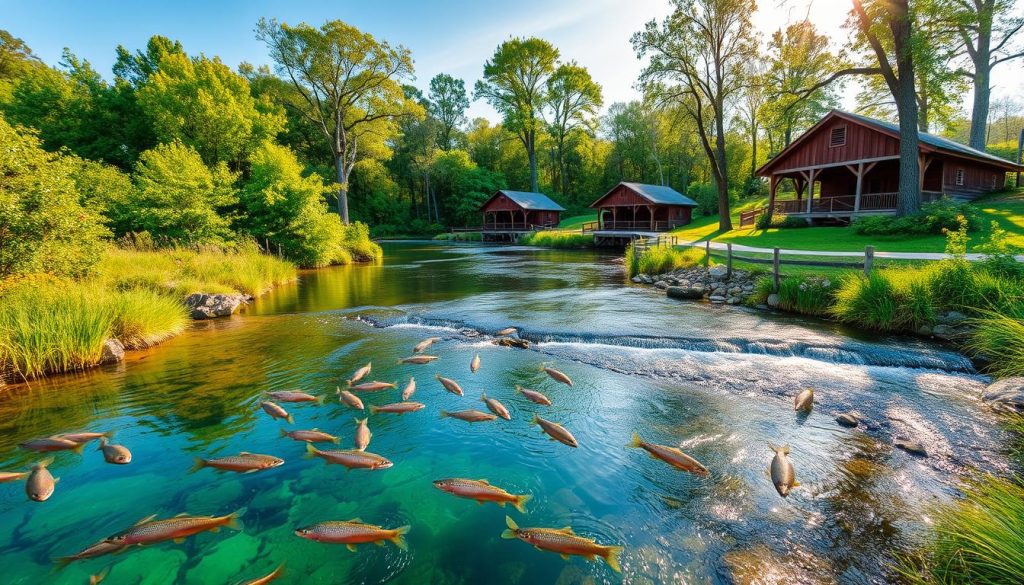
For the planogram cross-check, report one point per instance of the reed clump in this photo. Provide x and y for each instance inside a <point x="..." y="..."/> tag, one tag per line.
<point x="558" y="239"/>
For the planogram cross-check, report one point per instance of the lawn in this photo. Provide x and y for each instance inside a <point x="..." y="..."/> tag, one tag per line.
<point x="577" y="222"/>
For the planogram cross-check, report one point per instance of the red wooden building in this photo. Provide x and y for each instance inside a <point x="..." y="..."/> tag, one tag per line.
<point x="847" y="166"/>
<point x="635" y="207"/>
<point x="513" y="211"/>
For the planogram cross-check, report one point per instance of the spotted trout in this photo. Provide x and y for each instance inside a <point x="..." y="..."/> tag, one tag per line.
<point x="556" y="431"/>
<point x="425" y="344"/>
<point x="350" y="399"/>
<point x="496" y="407"/>
<point x="363" y="435"/>
<point x="470" y="415"/>
<point x="409" y="389"/>
<point x="373" y="386"/>
<point x="275" y="411"/>
<point x="565" y="542"/>
<point x="474" y="364"/>
<point x="244" y="462"/>
<point x="353" y="532"/>
<point x="294" y="396"/>
<point x="782" y="471"/>
<point x="85" y="437"/>
<point x="534" y="396"/>
<point x="50" y="444"/>
<point x="482" y="491"/>
<point x="418" y="359"/>
<point x="804" y="401"/>
<point x="312" y="436"/>
<point x="671" y="455"/>
<point x="558" y="376"/>
<point x="177" y="529"/>
<point x="397" y="407"/>
<point x="351" y="459"/>
<point x="449" y="385"/>
<point x="361" y="373"/>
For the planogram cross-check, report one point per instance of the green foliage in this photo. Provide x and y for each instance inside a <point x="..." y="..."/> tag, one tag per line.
<point x="661" y="259"/>
<point x="448" y="104"/>
<point x="780" y="221"/>
<point x="43" y="226"/>
<point x="1000" y="254"/>
<point x="558" y="239"/>
<point x="810" y="295"/>
<point x="706" y="196"/>
<point x="935" y="217"/>
<point x="888" y="300"/>
<point x="999" y="340"/>
<point x="179" y="199"/>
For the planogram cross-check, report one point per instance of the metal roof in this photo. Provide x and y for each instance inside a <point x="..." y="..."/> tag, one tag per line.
<point x="533" y="201"/>
<point x="661" y="194"/>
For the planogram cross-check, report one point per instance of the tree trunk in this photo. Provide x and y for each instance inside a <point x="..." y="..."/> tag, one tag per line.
<point x="531" y="154"/>
<point x="905" y="92"/>
<point x="753" y="151"/>
<point x="339" y="164"/>
<point x="722" y="174"/>
<point x="982" y="58"/>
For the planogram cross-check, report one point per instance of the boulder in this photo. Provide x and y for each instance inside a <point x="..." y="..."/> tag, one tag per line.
<point x="207" y="306"/>
<point x="718" y="271"/>
<point x="847" y="419"/>
<point x="661" y="284"/>
<point x="1006" y="395"/>
<point x="716" y="299"/>
<point x="113" y="352"/>
<point x="773" y="300"/>
<point x="685" y="293"/>
<point x="636" y="279"/>
<point x="912" y="447"/>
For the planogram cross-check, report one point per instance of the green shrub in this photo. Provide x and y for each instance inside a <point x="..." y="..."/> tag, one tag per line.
<point x="706" y="196"/>
<point x="935" y="217"/>
<point x="558" y="239"/>
<point x="999" y="339"/>
<point x="1000" y="254"/>
<point x="781" y="221"/>
<point x="356" y="243"/>
<point x="888" y="300"/>
<point x="807" y="295"/>
<point x="661" y="259"/>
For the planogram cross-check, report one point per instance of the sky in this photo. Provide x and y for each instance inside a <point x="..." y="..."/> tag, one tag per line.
<point x="445" y="36"/>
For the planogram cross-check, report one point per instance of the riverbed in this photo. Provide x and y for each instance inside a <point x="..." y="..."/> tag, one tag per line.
<point x="717" y="381"/>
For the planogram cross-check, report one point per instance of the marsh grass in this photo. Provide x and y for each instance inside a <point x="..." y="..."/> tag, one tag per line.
<point x="558" y="239"/>
<point x="661" y="259"/>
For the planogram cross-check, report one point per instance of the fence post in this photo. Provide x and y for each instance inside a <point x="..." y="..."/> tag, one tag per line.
<point x="707" y="253"/>
<point x="869" y="259"/>
<point x="775" y="270"/>
<point x="728" y="261"/>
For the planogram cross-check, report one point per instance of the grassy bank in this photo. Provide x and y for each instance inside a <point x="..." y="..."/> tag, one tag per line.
<point x="661" y="259"/>
<point x="558" y="239"/>
<point x="50" y="325"/>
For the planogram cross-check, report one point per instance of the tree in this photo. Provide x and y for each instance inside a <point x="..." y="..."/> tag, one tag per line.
<point x="574" y="99"/>
<point x="204" y="104"/>
<point x="347" y="84"/>
<point x="136" y="69"/>
<point x="448" y="104"/>
<point x="697" y="56"/>
<point x="15" y="56"/>
<point x="514" y="82"/>
<point x="989" y="33"/>
<point x="751" y="106"/>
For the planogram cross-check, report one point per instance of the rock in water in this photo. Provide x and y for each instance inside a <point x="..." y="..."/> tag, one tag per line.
<point x="685" y="293"/>
<point x="912" y="447"/>
<point x="113" y="351"/>
<point x="847" y="419"/>
<point x="206" y="306"/>
<point x="1006" y="395"/>
<point x="510" y="342"/>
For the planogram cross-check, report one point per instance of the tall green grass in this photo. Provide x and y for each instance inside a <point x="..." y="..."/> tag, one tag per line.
<point x="999" y="340"/>
<point x="558" y="239"/>
<point x="797" y="294"/>
<point x="661" y="259"/>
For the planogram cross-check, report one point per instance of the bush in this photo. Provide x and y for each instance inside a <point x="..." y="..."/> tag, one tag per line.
<point x="706" y="197"/>
<point x="558" y="239"/>
<point x="810" y="295"/>
<point x="781" y="221"/>
<point x="356" y="243"/>
<point x="1000" y="254"/>
<point x="888" y="300"/>
<point x="935" y="217"/>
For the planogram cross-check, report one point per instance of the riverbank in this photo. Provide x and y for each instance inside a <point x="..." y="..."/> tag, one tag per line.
<point x="133" y="300"/>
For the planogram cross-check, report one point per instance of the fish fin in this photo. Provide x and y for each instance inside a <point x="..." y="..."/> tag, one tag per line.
<point x="284" y="433"/>
<point x="290" y="419"/>
<point x="785" y="449"/>
<point x="635" y="443"/>
<point x="566" y="530"/>
<point x="233" y="519"/>
<point x="357" y="521"/>
<point x="103" y="443"/>
<point x="519" y="389"/>
<point x="215" y="529"/>
<point x="437" y="376"/>
<point x="508" y="534"/>
<point x="374" y="409"/>
<point x="378" y="543"/>
<point x="144" y="520"/>
<point x="63" y="562"/>
<point x="361" y="421"/>
<point x="773" y="447"/>
<point x="320" y="399"/>
<point x="80" y="448"/>
<point x="484" y="481"/>
<point x="351" y="547"/>
<point x="483" y="397"/>
<point x="199" y="463"/>
<point x="612" y="557"/>
<point x="45" y="462"/>
<point x="511" y="523"/>
<point x="445" y="413"/>
<point x="399" y="538"/>
<point x="796" y="484"/>
<point x="536" y="420"/>
<point x="179" y="540"/>
<point x="564" y="556"/>
<point x="310" y="451"/>
<point x="336" y="440"/>
<point x="181" y="514"/>
<point x="520" y="502"/>
<point x="56" y="480"/>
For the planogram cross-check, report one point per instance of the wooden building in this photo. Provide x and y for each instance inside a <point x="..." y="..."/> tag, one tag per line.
<point x="639" y="208"/>
<point x="847" y="166"/>
<point x="507" y="214"/>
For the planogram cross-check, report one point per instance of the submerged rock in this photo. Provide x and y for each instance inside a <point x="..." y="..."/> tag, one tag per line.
<point x="773" y="300"/>
<point x="847" y="419"/>
<point x="511" y="342"/>
<point x="207" y="306"/>
<point x="1006" y="395"/>
<point x="912" y="447"/>
<point x="685" y="293"/>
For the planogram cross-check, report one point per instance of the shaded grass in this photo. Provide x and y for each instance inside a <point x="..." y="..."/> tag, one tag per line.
<point x="999" y="340"/>
<point x="558" y="239"/>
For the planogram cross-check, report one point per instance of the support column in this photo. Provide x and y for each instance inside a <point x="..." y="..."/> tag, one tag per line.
<point x="810" y="189"/>
<point x="860" y="187"/>
<point x="650" y="212"/>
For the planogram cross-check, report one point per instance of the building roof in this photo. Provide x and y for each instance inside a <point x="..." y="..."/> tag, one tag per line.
<point x="528" y="200"/>
<point x="658" y="194"/>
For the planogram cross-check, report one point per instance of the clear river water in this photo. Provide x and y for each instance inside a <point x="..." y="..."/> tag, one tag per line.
<point x="717" y="381"/>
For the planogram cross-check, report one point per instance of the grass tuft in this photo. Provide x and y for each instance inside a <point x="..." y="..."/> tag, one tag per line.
<point x="558" y="239"/>
<point x="999" y="340"/>
<point x="661" y="259"/>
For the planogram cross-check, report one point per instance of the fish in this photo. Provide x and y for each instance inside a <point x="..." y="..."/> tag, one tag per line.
<point x="351" y="459"/>
<point x="118" y="454"/>
<point x="41" y="483"/>
<point x="9" y="476"/>
<point x="99" y="577"/>
<point x="50" y="444"/>
<point x="558" y="376"/>
<point x="474" y="364"/>
<point x="363" y="434"/>
<point x="276" y="411"/>
<point x="178" y="528"/>
<point x="360" y="373"/>
<point x="294" y="396"/>
<point x="353" y="532"/>
<point x="804" y="401"/>
<point x="468" y="415"/>
<point x="556" y="431"/>
<point x="506" y="331"/>
<point x="534" y="396"/>
<point x="85" y="437"/>
<point x="425" y="344"/>
<point x="482" y="491"/>
<point x="449" y="385"/>
<point x="397" y="407"/>
<point x="565" y="542"/>
<point x="244" y="462"/>
<point x="372" y="386"/>
<point x="496" y="407"/>
<point x="266" y="578"/>
<point x="671" y="455"/>
<point x="409" y="390"/>
<point x="350" y="399"/>
<point x="96" y="550"/>
<point x="782" y="471"/>
<point x="418" y="359"/>
<point x="313" y="436"/>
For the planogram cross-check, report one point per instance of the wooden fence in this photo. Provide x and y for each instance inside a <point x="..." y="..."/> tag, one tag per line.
<point x="776" y="261"/>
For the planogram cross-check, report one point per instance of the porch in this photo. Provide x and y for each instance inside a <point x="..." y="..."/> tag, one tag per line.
<point x="514" y="221"/>
<point x="641" y="218"/>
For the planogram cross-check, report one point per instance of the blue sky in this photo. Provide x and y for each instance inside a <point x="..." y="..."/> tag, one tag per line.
<point x="451" y="36"/>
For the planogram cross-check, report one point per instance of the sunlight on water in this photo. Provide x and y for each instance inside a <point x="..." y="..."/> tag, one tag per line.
<point x="716" y="382"/>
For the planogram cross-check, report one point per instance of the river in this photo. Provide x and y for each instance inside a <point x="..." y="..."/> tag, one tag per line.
<point x="716" y="380"/>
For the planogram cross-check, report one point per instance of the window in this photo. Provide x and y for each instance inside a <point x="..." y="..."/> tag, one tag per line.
<point x="960" y="177"/>
<point x="838" y="137"/>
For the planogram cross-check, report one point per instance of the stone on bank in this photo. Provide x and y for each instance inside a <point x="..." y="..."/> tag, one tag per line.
<point x="207" y="306"/>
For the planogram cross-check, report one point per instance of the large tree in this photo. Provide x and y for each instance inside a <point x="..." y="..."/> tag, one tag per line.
<point x="515" y="83"/>
<point x="448" y="103"/>
<point x="573" y="98"/>
<point x="697" y="58"/>
<point x="347" y="84"/>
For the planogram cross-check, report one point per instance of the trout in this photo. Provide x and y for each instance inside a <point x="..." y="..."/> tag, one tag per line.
<point x="266" y="578"/>
<point x="351" y="459"/>
<point x="244" y="462"/>
<point x="180" y="527"/>
<point x="556" y="431"/>
<point x="363" y="435"/>
<point x="782" y="471"/>
<point x="534" y="396"/>
<point x="482" y="491"/>
<point x="425" y="344"/>
<point x="294" y="396"/>
<point x="397" y="407"/>
<point x="409" y="390"/>
<point x="276" y="411"/>
<point x="97" y="550"/>
<point x="558" y="376"/>
<point x="41" y="483"/>
<point x="496" y="407"/>
<point x="8" y="476"/>
<point x="449" y="384"/>
<point x="565" y="542"/>
<point x="360" y="373"/>
<point x="671" y="455"/>
<point x="353" y="532"/>
<point x="474" y="364"/>
<point x="313" y="436"/>
<point x="350" y="399"/>
<point x="50" y="444"/>
<point x="85" y="437"/>
<point x="468" y="415"/>
<point x="372" y="386"/>
<point x="804" y="401"/>
<point x="418" y="359"/>
<point x="117" y="454"/>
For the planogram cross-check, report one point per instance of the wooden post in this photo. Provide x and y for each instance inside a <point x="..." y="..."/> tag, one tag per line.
<point x="1020" y="151"/>
<point x="810" y="189"/>
<point x="860" y="187"/>
<point x="869" y="259"/>
<point x="728" y="260"/>
<point x="707" y="253"/>
<point x="776" y="279"/>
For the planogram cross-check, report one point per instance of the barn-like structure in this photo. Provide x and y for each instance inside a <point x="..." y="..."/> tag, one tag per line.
<point x="510" y="213"/>
<point x="635" y="207"/>
<point x="847" y="166"/>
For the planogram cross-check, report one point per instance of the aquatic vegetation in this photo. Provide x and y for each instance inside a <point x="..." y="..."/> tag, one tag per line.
<point x="999" y="340"/>
<point x="558" y="239"/>
<point x="660" y="259"/>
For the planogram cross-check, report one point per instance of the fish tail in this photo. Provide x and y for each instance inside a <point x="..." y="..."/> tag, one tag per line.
<point x="374" y="409"/>
<point x="399" y="538"/>
<point x="519" y="389"/>
<point x="109" y="434"/>
<point x="45" y="462"/>
<point x="437" y="376"/>
<point x="310" y="451"/>
<point x="635" y="443"/>
<point x="361" y="421"/>
<point x="536" y="419"/>
<point x="611" y="556"/>
<point x="512" y="527"/>
<point x="483" y="397"/>
<point x="284" y="433"/>
<point x="79" y="449"/>
<point x="233" y="521"/>
<point x="62" y="562"/>
<point x="290" y="419"/>
<point x="520" y="502"/>
<point x="198" y="464"/>
<point x="98" y="577"/>
<point x="319" y="399"/>
<point x="103" y="443"/>
<point x="773" y="447"/>
<point x="511" y="523"/>
<point x="445" y="413"/>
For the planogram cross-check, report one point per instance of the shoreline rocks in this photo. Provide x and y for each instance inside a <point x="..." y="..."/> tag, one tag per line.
<point x="212" y="306"/>
<point x="1006" y="395"/>
<point x="698" y="283"/>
